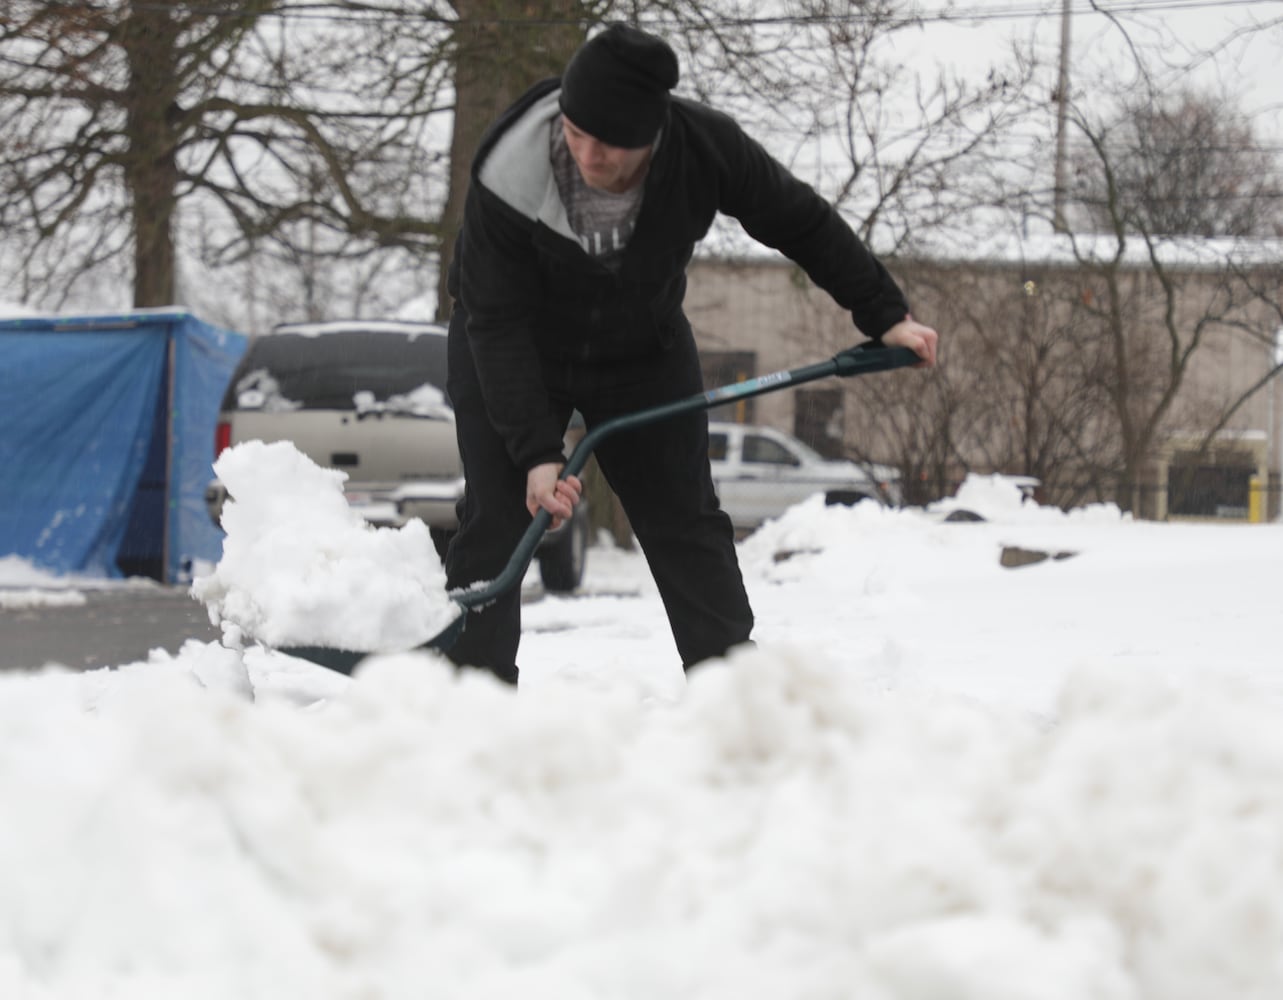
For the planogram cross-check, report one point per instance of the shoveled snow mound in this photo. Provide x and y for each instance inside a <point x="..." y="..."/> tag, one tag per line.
<point x="813" y="529"/>
<point x="784" y="831"/>
<point x="300" y="567"/>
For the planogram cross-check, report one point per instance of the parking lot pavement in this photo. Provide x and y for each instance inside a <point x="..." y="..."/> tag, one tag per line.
<point x="112" y="627"/>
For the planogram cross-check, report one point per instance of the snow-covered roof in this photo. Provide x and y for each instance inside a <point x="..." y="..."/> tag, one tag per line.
<point x="1074" y="248"/>
<point x="1044" y="248"/>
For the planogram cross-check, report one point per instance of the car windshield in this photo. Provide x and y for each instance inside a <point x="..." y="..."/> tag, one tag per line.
<point x="331" y="372"/>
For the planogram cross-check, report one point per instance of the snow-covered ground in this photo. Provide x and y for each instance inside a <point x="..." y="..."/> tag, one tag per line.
<point x="935" y="778"/>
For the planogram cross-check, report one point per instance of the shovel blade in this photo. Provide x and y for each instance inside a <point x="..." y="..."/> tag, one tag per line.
<point x="344" y="661"/>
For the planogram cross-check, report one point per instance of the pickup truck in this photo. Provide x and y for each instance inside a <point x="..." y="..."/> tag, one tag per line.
<point x="761" y="472"/>
<point x="368" y="397"/>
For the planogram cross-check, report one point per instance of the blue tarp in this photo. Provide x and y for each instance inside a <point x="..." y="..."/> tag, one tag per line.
<point x="108" y="436"/>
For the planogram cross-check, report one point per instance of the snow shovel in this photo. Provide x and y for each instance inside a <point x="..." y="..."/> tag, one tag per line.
<point x="856" y="361"/>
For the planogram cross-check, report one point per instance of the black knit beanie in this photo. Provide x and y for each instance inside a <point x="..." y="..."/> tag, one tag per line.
<point x="616" y="86"/>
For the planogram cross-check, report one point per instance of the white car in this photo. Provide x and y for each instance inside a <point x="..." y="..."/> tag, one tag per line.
<point x="761" y="472"/>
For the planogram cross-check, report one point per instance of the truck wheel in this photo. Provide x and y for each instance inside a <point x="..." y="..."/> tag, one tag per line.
<point x="562" y="561"/>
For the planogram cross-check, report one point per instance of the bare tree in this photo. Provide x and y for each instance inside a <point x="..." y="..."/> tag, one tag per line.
<point x="1085" y="352"/>
<point x="320" y="135"/>
<point x="112" y="116"/>
<point x="1155" y="303"/>
<point x="1182" y="164"/>
<point x="1031" y="396"/>
<point x="498" y="49"/>
<point x="898" y="147"/>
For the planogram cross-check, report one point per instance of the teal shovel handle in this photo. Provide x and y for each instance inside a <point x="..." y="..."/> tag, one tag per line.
<point x="856" y="361"/>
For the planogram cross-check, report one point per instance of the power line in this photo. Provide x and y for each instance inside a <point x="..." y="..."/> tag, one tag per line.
<point x="1089" y="7"/>
<point x="363" y="12"/>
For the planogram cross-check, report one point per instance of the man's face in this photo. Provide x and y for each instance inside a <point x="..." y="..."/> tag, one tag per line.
<point x="607" y="168"/>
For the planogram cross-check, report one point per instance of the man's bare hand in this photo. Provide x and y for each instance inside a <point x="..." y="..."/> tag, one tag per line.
<point x="545" y="489"/>
<point x="920" y="339"/>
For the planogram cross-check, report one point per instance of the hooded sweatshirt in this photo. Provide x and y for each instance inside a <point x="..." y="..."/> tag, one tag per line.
<point x="535" y="300"/>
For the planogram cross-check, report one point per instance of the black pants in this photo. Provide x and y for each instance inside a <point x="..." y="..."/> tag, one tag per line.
<point x="660" y="474"/>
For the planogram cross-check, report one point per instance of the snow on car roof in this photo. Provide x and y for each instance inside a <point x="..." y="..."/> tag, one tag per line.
<point x="407" y="327"/>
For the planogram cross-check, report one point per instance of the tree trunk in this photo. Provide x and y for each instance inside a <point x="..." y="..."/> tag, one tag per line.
<point x="501" y="48"/>
<point x="149" y="38"/>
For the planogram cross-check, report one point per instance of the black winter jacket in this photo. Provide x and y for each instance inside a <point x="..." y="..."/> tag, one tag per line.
<point x="533" y="297"/>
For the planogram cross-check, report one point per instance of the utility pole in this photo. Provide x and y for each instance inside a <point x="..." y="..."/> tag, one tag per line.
<point x="1276" y="413"/>
<point x="1062" y="104"/>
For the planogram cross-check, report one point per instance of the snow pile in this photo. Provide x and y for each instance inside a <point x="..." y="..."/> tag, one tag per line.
<point x="1000" y="498"/>
<point x="25" y="585"/>
<point x="912" y="600"/>
<point x="300" y="567"/>
<point x="15" y="600"/>
<point x="811" y="526"/>
<point x="15" y="571"/>
<point x="786" y="830"/>
<point x="934" y="777"/>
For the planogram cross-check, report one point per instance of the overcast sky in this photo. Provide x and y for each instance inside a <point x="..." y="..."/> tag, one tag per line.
<point x="1245" y="34"/>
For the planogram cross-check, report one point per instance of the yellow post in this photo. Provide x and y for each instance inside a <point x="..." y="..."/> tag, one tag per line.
<point x="1255" y="500"/>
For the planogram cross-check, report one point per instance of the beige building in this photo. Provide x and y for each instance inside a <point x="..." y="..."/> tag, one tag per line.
<point x="1123" y="380"/>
